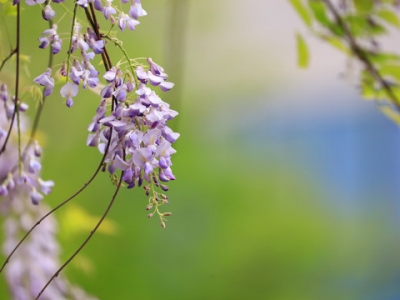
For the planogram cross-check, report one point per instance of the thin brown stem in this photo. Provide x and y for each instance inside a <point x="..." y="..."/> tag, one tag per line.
<point x="60" y="205"/>
<point x="7" y="58"/>
<point x="86" y="240"/>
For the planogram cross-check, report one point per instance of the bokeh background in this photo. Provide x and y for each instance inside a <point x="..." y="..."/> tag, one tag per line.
<point x="287" y="181"/>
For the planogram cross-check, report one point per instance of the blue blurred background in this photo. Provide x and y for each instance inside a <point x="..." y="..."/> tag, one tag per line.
<point x="287" y="181"/>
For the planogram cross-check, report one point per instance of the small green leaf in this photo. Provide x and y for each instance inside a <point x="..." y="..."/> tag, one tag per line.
<point x="390" y="113"/>
<point x="389" y="16"/>
<point x="392" y="71"/>
<point x="303" y="56"/>
<point x="367" y="91"/>
<point x="319" y="10"/>
<point x="337" y="43"/>
<point x="363" y="5"/>
<point x="302" y="11"/>
<point x="383" y="58"/>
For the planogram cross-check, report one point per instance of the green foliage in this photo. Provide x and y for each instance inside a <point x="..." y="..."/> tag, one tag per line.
<point x="389" y="16"/>
<point x="302" y="11"/>
<point x="356" y="29"/>
<point x="319" y="12"/>
<point x="363" y="6"/>
<point x="302" y="52"/>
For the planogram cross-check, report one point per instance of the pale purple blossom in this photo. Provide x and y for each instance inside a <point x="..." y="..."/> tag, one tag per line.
<point x="125" y="20"/>
<point x="108" y="10"/>
<point x="136" y="9"/>
<point x="50" y="36"/>
<point x="33" y="2"/>
<point x="3" y="92"/>
<point x="45" y="80"/>
<point x="48" y="13"/>
<point x="68" y="91"/>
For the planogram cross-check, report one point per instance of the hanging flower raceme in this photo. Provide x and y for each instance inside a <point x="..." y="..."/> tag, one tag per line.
<point x="135" y="135"/>
<point x="21" y="191"/>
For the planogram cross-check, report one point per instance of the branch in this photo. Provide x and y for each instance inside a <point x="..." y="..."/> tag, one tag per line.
<point x="86" y="240"/>
<point x="360" y="53"/>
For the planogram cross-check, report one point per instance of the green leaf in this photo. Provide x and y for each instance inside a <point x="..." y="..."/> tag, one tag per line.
<point x="337" y="43"/>
<point x="319" y="10"/>
<point x="360" y="26"/>
<point x="389" y="16"/>
<point x="390" y="113"/>
<point x="367" y="91"/>
<point x="303" y="56"/>
<point x="391" y="71"/>
<point x="363" y="5"/>
<point x="302" y="11"/>
<point x="383" y="58"/>
<point x="10" y="10"/>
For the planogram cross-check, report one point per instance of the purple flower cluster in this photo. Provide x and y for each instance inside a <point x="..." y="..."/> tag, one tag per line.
<point x="83" y="72"/>
<point x="136" y="132"/>
<point x="25" y="175"/>
<point x="133" y="136"/>
<point x="37" y="259"/>
<point x="50" y="36"/>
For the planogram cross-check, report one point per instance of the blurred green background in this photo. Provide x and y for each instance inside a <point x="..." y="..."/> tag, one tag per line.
<point x="253" y="214"/>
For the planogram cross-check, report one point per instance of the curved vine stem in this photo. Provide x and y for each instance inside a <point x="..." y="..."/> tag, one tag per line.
<point x="59" y="205"/>
<point x="87" y="239"/>
<point x="7" y="58"/>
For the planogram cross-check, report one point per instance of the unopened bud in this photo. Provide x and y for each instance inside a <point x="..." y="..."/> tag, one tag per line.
<point x="148" y="207"/>
<point x="167" y="214"/>
<point x="63" y="70"/>
<point x="150" y="215"/>
<point x="140" y="180"/>
<point x="155" y="180"/>
<point x="162" y="224"/>
<point x="147" y="190"/>
<point x="164" y="187"/>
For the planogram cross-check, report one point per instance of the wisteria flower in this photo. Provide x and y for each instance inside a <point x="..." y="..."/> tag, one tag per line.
<point x="45" y="80"/>
<point x="136" y="9"/>
<point x="48" y="13"/>
<point x="68" y="91"/>
<point x="108" y="10"/>
<point x="125" y="20"/>
<point x="33" y="2"/>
